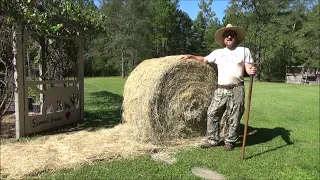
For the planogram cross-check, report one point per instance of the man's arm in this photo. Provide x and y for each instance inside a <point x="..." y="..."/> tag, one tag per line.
<point x="198" y="58"/>
<point x="251" y="70"/>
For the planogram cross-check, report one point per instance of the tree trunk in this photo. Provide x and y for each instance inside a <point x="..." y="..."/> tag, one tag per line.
<point x="123" y="63"/>
<point x="259" y="60"/>
<point x="133" y="59"/>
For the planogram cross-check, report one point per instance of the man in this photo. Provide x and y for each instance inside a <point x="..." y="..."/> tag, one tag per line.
<point x="229" y="95"/>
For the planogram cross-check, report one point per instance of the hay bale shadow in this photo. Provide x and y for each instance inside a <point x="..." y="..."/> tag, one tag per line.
<point x="108" y="114"/>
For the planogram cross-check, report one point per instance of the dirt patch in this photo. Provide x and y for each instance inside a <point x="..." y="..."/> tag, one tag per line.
<point x="8" y="127"/>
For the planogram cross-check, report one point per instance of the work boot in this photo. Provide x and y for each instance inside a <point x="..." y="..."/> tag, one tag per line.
<point x="229" y="146"/>
<point x="209" y="143"/>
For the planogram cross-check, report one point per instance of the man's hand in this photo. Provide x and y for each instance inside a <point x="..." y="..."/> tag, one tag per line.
<point x="252" y="70"/>
<point x="184" y="57"/>
<point x="197" y="58"/>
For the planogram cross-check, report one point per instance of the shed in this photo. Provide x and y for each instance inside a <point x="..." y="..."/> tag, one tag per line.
<point x="302" y="75"/>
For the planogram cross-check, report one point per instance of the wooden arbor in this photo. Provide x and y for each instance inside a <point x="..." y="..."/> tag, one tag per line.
<point x="50" y="70"/>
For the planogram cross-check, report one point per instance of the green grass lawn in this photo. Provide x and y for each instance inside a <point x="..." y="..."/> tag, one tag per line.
<point x="286" y="145"/>
<point x="103" y="99"/>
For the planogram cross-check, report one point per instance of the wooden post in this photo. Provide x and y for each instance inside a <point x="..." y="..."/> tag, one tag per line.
<point x="42" y="73"/>
<point x="81" y="75"/>
<point x="247" y="118"/>
<point x="19" y="94"/>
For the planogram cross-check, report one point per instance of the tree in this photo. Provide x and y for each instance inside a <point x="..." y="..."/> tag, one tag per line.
<point x="308" y="39"/>
<point x="206" y="25"/>
<point x="162" y="21"/>
<point x="270" y="27"/>
<point x="182" y="39"/>
<point x="129" y="33"/>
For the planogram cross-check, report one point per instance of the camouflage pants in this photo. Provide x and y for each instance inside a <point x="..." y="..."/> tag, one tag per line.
<point x="229" y="103"/>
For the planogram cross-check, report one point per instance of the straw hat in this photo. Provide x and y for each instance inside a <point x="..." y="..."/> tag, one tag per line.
<point x="218" y="36"/>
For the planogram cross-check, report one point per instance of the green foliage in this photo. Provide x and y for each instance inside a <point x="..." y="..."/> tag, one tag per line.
<point x="163" y="20"/>
<point x="277" y="33"/>
<point x="308" y="39"/>
<point x="119" y="34"/>
<point x="182" y="35"/>
<point x="49" y="16"/>
<point x="35" y="94"/>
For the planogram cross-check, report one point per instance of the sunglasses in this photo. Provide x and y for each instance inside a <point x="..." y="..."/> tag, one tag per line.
<point x="226" y="35"/>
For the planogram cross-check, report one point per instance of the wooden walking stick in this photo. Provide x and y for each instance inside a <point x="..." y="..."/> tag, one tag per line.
<point x="247" y="118"/>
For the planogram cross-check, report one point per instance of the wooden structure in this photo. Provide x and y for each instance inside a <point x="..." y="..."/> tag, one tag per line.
<point x="302" y="75"/>
<point x="60" y="99"/>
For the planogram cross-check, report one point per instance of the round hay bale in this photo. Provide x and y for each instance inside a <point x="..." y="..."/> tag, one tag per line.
<point x="167" y="98"/>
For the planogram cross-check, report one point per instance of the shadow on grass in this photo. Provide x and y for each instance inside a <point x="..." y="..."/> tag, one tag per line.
<point x="263" y="135"/>
<point x="107" y="113"/>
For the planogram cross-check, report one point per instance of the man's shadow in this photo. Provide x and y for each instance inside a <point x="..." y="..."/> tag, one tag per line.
<point x="263" y="135"/>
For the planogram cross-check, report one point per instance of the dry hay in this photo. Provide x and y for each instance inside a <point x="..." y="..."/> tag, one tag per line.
<point x="51" y="153"/>
<point x="70" y="151"/>
<point x="167" y="98"/>
<point x="166" y="157"/>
